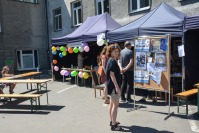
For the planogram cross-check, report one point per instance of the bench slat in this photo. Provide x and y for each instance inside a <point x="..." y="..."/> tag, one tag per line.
<point x="21" y="95"/>
<point x="187" y="93"/>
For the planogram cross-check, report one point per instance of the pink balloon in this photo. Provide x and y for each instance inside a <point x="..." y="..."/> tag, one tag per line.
<point x="62" y="72"/>
<point x="80" y="74"/>
<point x="58" y="48"/>
<point x="56" y="68"/>
<point x="86" y="48"/>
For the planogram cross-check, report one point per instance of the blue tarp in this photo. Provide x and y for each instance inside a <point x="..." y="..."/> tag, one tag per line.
<point x="191" y="22"/>
<point x="162" y="20"/>
<point x="89" y="30"/>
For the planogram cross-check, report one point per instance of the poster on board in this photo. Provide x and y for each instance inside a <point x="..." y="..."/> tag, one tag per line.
<point x="142" y="45"/>
<point x="141" y="76"/>
<point x="164" y="44"/>
<point x="159" y="45"/>
<point x="140" y="61"/>
<point x="160" y="62"/>
<point x="155" y="45"/>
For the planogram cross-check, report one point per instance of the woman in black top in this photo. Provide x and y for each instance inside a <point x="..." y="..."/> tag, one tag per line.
<point x="113" y="83"/>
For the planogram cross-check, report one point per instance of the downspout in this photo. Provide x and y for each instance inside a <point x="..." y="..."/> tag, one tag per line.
<point x="47" y="30"/>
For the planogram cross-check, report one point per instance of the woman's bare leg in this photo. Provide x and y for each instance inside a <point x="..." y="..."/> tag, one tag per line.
<point x="114" y="110"/>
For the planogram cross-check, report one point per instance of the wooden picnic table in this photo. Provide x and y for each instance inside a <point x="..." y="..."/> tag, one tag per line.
<point x="28" y="74"/>
<point x="40" y="83"/>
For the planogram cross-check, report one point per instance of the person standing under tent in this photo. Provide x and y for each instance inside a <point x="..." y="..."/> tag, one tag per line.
<point x="126" y="60"/>
<point x="113" y="84"/>
<point x="103" y="62"/>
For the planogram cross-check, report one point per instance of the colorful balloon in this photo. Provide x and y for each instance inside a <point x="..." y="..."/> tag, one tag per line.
<point x="64" y="53"/>
<point x="80" y="74"/>
<point x="60" y="55"/>
<point x="75" y="49"/>
<point x="62" y="48"/>
<point x="62" y="72"/>
<point x="54" y="52"/>
<point x="66" y="73"/>
<point x="86" y="48"/>
<point x="100" y="42"/>
<point x="54" y="61"/>
<point x="53" y="48"/>
<point x="56" y="68"/>
<point x="57" y="48"/>
<point x="73" y="73"/>
<point x="70" y="50"/>
<point x="81" y="48"/>
<point x="85" y="75"/>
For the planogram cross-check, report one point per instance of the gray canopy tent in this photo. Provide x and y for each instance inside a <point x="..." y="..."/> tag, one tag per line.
<point x="89" y="30"/>
<point x="162" y="20"/>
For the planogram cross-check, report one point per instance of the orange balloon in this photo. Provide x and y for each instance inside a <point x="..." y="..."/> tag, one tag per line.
<point x="70" y="50"/>
<point x="54" y="61"/>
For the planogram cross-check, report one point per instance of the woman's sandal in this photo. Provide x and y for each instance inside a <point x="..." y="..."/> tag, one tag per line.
<point x="117" y="123"/>
<point x="116" y="128"/>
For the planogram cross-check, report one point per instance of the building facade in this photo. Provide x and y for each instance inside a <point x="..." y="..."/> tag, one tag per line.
<point x="23" y="34"/>
<point x="73" y="13"/>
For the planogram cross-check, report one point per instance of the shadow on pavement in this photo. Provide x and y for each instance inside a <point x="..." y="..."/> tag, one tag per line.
<point x="8" y="107"/>
<point x="139" y="129"/>
<point x="6" y="111"/>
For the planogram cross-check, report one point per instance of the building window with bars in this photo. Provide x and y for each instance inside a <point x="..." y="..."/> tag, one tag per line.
<point x="27" y="59"/>
<point x="139" y="5"/>
<point x="57" y="19"/>
<point x="76" y="13"/>
<point x="102" y="6"/>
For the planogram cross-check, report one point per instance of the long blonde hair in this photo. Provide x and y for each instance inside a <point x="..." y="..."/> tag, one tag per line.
<point x="4" y="69"/>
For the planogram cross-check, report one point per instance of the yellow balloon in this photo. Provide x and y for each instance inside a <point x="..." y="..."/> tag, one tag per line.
<point x="54" y="48"/>
<point x="85" y="75"/>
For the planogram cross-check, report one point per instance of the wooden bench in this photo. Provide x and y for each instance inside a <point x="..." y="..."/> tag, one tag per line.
<point x="184" y="95"/>
<point x="32" y="97"/>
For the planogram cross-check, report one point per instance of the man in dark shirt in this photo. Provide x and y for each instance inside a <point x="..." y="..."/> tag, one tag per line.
<point x="126" y="60"/>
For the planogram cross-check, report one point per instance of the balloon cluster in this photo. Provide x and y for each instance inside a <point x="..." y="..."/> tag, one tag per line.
<point x="63" y="50"/>
<point x="73" y="73"/>
<point x="84" y="47"/>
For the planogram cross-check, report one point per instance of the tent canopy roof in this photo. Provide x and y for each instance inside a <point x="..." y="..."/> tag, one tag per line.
<point x="191" y="22"/>
<point x="89" y="30"/>
<point x="164" y="19"/>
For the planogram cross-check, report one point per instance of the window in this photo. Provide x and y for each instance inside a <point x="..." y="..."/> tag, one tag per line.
<point x="102" y="6"/>
<point x="27" y="59"/>
<point x="77" y="13"/>
<point x="30" y="1"/>
<point x="57" y="19"/>
<point x="139" y="5"/>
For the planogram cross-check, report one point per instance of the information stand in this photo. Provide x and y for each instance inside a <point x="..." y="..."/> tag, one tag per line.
<point x="152" y="64"/>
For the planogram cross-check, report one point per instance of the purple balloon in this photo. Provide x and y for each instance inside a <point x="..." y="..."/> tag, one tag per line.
<point x="66" y="73"/>
<point x="84" y="44"/>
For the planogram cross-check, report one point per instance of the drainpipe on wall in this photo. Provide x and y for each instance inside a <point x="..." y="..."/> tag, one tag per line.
<point x="47" y="30"/>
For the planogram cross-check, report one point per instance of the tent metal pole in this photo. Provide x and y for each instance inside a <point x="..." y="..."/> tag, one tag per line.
<point x="183" y="66"/>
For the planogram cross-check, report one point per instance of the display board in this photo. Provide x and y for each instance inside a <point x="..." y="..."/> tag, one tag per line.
<point x="152" y="62"/>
